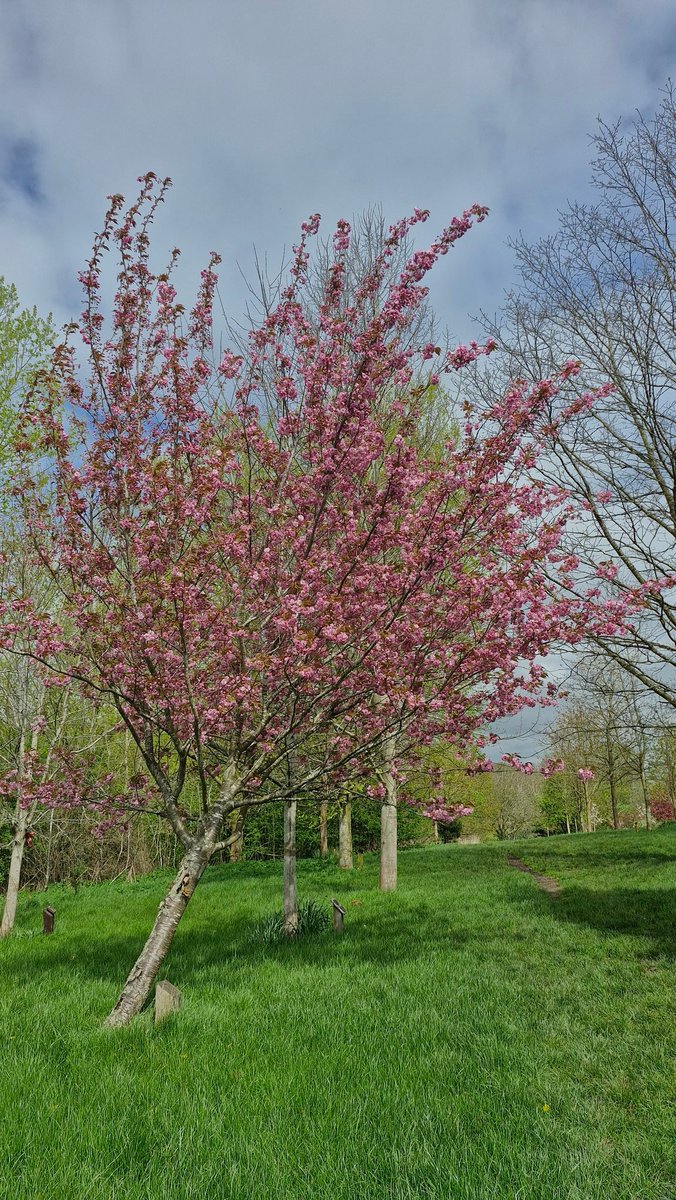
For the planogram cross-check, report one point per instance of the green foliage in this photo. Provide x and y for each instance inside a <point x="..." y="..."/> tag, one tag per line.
<point x="312" y="918"/>
<point x="25" y="339"/>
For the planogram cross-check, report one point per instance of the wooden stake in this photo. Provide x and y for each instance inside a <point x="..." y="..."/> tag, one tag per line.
<point x="167" y="1000"/>
<point x="48" y="916"/>
<point x="338" y="917"/>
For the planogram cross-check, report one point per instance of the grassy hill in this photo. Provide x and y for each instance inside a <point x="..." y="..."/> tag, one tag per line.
<point x="470" y="1036"/>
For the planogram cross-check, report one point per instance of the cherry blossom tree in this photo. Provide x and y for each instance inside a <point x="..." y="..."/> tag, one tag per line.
<point x="254" y="554"/>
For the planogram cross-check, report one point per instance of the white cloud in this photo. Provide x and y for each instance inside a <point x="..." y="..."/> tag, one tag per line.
<point x="265" y="110"/>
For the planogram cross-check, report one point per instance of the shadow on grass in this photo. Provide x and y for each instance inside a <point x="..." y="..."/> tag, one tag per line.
<point x="603" y="852"/>
<point x="637" y="912"/>
<point x="228" y="944"/>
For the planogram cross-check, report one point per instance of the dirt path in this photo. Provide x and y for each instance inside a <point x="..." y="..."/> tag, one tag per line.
<point x="543" y="881"/>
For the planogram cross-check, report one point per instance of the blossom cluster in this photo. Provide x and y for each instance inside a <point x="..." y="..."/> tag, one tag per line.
<point x="251" y="553"/>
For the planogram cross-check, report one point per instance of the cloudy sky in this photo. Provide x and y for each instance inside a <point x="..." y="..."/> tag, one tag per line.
<point x="263" y="111"/>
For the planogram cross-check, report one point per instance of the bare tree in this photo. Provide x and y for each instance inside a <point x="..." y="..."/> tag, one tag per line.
<point x="601" y="290"/>
<point x="518" y="799"/>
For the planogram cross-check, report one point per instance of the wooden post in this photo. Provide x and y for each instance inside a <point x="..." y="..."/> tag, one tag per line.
<point x="338" y="917"/>
<point x="360" y="860"/>
<point x="48" y="916"/>
<point x="167" y="1000"/>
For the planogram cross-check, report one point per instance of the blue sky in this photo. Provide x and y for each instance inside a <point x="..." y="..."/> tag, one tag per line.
<point x="263" y="111"/>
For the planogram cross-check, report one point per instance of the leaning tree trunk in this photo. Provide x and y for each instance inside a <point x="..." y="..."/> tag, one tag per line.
<point x="290" y="892"/>
<point x="14" y="877"/>
<point x="324" y="828"/>
<point x="345" y="861"/>
<point x="144" y="972"/>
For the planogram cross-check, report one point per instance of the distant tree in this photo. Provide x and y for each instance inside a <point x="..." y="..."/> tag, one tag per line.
<point x="663" y="763"/>
<point x="518" y="798"/>
<point x="25" y="343"/>
<point x="603" y="290"/>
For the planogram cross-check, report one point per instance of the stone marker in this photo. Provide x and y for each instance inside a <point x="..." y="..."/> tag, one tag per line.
<point x="167" y="1000"/>
<point x="48" y="915"/>
<point x="338" y="916"/>
<point x="360" y="860"/>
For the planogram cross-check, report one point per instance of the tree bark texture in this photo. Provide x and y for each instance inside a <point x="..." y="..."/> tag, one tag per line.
<point x="388" y="847"/>
<point x="345" y="861"/>
<point x="144" y="972"/>
<point x="290" y="892"/>
<point x="611" y="780"/>
<point x="324" y="828"/>
<point x="388" y="822"/>
<point x="237" y="828"/>
<point x="14" y="877"/>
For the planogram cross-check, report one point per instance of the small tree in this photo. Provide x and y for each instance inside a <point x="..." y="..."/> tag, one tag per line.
<point x="25" y="342"/>
<point x="255" y="554"/>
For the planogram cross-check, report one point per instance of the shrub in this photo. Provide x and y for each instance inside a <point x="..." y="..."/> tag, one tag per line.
<point x="312" y="918"/>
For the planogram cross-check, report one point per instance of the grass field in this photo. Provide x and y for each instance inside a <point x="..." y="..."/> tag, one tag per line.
<point x="470" y="1036"/>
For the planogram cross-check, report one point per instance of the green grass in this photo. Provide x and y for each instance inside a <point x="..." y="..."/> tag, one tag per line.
<point x="411" y="1058"/>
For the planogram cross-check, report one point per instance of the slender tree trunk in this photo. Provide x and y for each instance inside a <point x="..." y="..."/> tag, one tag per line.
<point x="646" y="807"/>
<point x="144" y="972"/>
<point x="345" y="837"/>
<point x="388" y="823"/>
<point x="48" y="864"/>
<point x="14" y="877"/>
<point x="613" y="799"/>
<point x="388" y="847"/>
<point x="567" y="824"/>
<point x="21" y="823"/>
<point x="290" y="892"/>
<point x="587" y="810"/>
<point x="324" y="828"/>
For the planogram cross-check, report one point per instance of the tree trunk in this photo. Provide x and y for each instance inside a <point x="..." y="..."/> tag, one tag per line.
<point x="587" y="826"/>
<point x="345" y="837"/>
<point x="324" y="828"/>
<point x="613" y="800"/>
<point x="388" y="824"/>
<point x="646" y="806"/>
<point x="237" y="828"/>
<point x="143" y="974"/>
<point x="290" y="893"/>
<point x="14" y="877"/>
<point x="48" y="864"/>
<point x="388" y="847"/>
